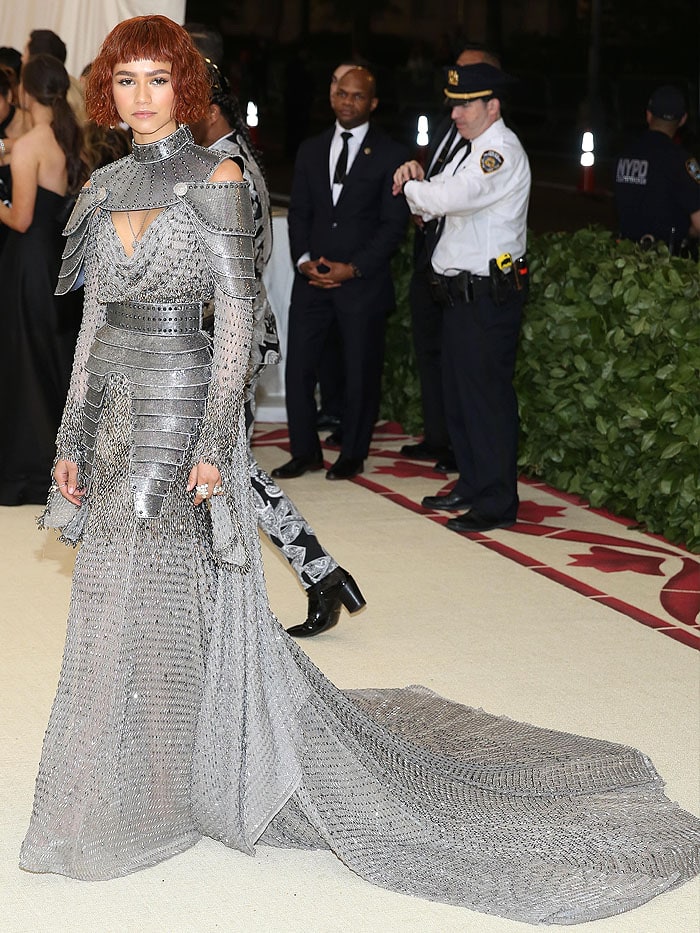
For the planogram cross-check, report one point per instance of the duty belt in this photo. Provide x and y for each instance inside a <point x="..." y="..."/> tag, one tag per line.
<point x="465" y="286"/>
<point x="156" y="318"/>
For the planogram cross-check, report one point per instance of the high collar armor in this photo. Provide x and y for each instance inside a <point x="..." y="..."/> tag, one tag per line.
<point x="146" y="178"/>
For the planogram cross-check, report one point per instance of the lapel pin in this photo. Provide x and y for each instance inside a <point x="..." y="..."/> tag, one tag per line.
<point x="367" y="150"/>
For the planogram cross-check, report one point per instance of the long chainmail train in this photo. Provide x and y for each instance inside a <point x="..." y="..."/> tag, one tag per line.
<point x="184" y="709"/>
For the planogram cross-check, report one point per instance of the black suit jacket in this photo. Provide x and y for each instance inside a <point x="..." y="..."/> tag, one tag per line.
<point x="365" y="227"/>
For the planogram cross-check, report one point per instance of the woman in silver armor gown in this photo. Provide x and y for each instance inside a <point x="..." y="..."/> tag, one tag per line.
<point x="183" y="708"/>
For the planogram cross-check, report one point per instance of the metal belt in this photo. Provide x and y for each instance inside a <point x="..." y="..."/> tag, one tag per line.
<point x="155" y="318"/>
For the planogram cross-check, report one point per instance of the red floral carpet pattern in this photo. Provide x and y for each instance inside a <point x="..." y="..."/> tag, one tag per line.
<point x="599" y="555"/>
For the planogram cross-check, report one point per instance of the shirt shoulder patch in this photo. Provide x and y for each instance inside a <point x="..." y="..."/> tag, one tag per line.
<point x="692" y="167"/>
<point x="491" y="161"/>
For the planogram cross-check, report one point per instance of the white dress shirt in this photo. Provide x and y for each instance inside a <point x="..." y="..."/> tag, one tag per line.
<point x="484" y="200"/>
<point x="357" y="136"/>
<point x="354" y="143"/>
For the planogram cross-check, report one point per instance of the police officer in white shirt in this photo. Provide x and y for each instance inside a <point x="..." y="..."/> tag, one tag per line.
<point x="426" y="313"/>
<point x="480" y="277"/>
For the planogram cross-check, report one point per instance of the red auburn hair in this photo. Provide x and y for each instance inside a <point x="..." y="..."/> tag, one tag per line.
<point x="149" y="38"/>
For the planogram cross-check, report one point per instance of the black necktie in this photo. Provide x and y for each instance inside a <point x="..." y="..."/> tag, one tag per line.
<point x="433" y="228"/>
<point x="439" y="162"/>
<point x="341" y="166"/>
<point x="461" y="144"/>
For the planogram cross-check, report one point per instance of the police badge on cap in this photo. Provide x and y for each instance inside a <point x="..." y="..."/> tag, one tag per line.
<point x="471" y="82"/>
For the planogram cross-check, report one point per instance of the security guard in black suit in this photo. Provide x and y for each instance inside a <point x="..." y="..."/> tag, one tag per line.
<point x="479" y="277"/>
<point x="657" y="183"/>
<point x="344" y="226"/>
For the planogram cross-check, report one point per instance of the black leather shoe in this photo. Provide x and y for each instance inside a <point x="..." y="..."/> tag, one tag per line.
<point x="473" y="521"/>
<point x="327" y="422"/>
<point x="450" y="501"/>
<point x="325" y="599"/>
<point x="334" y="440"/>
<point x="345" y="468"/>
<point x="297" y="466"/>
<point x="446" y="464"/>
<point x="423" y="451"/>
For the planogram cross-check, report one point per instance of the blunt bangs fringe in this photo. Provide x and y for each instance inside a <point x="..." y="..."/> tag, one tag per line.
<point x="149" y="38"/>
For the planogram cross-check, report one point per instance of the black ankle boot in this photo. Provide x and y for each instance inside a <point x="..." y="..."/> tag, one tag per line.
<point x="325" y="600"/>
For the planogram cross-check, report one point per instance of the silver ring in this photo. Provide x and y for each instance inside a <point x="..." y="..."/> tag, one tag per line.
<point x="202" y="490"/>
<point x="217" y="490"/>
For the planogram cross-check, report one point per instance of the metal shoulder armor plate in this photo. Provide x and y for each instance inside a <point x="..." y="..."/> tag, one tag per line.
<point x="223" y="218"/>
<point x="76" y="230"/>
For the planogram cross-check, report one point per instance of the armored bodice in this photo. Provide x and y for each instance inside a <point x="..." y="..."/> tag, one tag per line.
<point x="198" y="248"/>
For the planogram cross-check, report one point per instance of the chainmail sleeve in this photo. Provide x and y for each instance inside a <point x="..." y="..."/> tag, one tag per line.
<point x="223" y="219"/>
<point x="79" y="266"/>
<point x="69" y="439"/>
<point x="233" y="323"/>
<point x="265" y="348"/>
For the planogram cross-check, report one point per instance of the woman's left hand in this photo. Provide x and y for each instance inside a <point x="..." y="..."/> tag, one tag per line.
<point x="205" y="480"/>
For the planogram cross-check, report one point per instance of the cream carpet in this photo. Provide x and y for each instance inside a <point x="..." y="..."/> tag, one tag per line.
<point x="444" y="611"/>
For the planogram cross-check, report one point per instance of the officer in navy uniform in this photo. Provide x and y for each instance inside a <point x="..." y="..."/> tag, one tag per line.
<point x="479" y="277"/>
<point x="657" y="183"/>
<point x="426" y="313"/>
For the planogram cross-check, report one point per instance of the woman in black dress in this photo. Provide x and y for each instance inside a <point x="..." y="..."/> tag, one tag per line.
<point x="11" y="126"/>
<point x="39" y="331"/>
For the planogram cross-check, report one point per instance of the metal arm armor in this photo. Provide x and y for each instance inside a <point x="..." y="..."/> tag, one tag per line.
<point x="223" y="218"/>
<point x="76" y="230"/>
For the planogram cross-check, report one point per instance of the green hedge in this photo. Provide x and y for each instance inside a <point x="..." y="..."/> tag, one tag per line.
<point x="400" y="385"/>
<point x="608" y="377"/>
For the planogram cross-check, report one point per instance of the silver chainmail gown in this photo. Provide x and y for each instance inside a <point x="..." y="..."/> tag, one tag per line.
<point x="183" y="709"/>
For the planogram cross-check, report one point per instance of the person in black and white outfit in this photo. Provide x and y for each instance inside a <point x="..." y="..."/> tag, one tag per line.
<point x="326" y="583"/>
<point x="479" y="276"/>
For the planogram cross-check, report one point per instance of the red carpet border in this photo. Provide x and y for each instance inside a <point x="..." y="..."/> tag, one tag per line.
<point x="597" y="554"/>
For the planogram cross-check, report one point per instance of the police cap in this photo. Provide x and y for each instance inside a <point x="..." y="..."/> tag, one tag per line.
<point x="471" y="82"/>
<point x="667" y="103"/>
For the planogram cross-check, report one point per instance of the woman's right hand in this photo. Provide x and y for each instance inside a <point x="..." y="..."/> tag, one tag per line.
<point x="65" y="475"/>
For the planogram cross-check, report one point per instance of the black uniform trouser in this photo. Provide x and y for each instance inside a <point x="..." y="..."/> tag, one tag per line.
<point x="362" y="333"/>
<point x="480" y="341"/>
<point x="331" y="375"/>
<point x="426" y="322"/>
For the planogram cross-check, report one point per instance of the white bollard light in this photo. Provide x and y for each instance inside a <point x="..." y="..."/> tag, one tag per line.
<point x="422" y="137"/>
<point x="251" y="115"/>
<point x="587" y="162"/>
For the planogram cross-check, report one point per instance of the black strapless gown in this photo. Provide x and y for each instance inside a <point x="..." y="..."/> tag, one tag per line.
<point x="37" y="343"/>
<point x="5" y="194"/>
